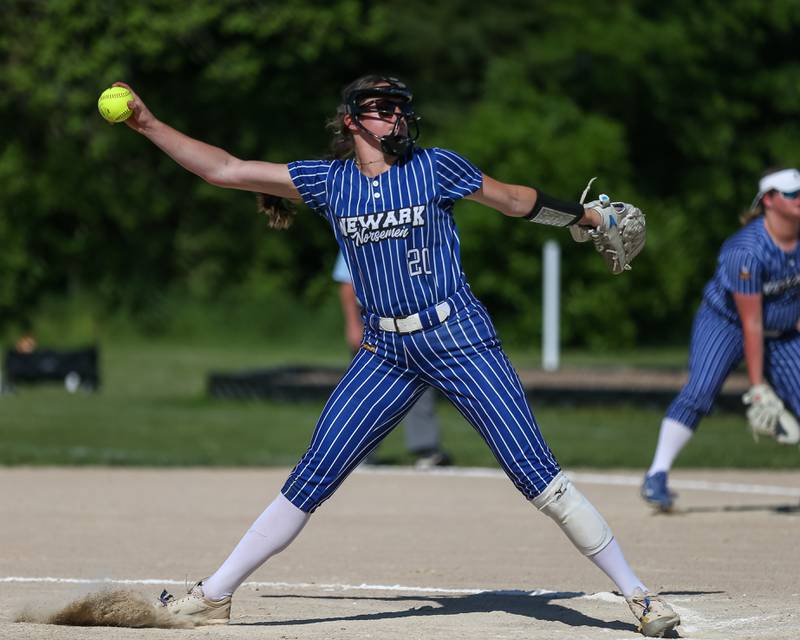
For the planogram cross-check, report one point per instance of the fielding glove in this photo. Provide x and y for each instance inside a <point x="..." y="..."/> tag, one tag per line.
<point x="767" y="416"/>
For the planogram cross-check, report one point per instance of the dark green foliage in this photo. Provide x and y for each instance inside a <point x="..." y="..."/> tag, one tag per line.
<point x="677" y="106"/>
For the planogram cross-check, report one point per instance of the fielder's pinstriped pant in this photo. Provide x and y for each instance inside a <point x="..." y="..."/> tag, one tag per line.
<point x="463" y="358"/>
<point x="715" y="350"/>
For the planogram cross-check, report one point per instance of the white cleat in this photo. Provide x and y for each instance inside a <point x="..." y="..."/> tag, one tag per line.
<point x="655" y="616"/>
<point x="194" y="608"/>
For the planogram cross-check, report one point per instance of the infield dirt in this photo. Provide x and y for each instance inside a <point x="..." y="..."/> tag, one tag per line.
<point x="401" y="554"/>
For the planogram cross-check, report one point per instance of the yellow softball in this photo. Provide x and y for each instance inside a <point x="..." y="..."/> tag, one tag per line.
<point x="113" y="104"/>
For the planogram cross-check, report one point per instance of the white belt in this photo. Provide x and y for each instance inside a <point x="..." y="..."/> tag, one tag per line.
<point x="413" y="322"/>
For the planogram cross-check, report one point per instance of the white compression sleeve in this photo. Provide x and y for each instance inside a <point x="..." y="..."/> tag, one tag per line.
<point x="576" y="516"/>
<point x="271" y="533"/>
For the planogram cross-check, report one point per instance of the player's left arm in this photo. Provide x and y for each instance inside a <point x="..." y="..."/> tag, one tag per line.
<point x="617" y="229"/>
<point x="749" y="307"/>
<point x="519" y="201"/>
<point x="766" y="412"/>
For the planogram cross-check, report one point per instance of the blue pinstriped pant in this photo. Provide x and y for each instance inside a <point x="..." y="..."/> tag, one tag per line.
<point x="716" y="348"/>
<point x="461" y="357"/>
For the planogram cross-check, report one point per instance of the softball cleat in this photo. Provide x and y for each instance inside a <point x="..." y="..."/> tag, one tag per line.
<point x="656" y="493"/>
<point x="655" y="616"/>
<point x="195" y="609"/>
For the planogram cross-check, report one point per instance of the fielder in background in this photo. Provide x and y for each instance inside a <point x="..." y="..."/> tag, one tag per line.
<point x="421" y="428"/>
<point x="390" y="205"/>
<point x="750" y="310"/>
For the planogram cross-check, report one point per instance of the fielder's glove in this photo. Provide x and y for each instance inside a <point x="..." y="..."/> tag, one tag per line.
<point x="768" y="417"/>
<point x="620" y="237"/>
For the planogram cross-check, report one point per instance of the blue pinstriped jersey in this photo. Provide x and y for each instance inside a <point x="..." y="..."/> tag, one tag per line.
<point x="751" y="263"/>
<point x="396" y="230"/>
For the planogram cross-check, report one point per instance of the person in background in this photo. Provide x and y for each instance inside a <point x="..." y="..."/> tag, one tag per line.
<point x="26" y="343"/>
<point x="750" y="311"/>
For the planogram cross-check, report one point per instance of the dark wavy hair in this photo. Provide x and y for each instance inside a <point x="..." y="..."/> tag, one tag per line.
<point x="280" y="212"/>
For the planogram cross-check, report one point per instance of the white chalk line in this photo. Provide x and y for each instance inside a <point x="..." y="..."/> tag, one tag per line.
<point x="599" y="479"/>
<point x="602" y="596"/>
<point x="301" y="585"/>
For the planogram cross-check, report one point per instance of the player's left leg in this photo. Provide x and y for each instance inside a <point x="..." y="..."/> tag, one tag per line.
<point x="782" y="369"/>
<point x="464" y="359"/>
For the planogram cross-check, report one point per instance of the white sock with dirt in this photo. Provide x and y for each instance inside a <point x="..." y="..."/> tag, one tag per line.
<point x="271" y="533"/>
<point x="613" y="564"/>
<point x="671" y="439"/>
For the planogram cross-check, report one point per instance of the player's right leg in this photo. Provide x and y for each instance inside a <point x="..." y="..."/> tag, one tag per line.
<point x="715" y="349"/>
<point x="372" y="397"/>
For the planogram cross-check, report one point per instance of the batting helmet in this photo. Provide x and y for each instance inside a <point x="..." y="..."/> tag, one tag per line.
<point x="385" y="96"/>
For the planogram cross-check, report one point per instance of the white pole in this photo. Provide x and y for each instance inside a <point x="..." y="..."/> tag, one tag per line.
<point x="551" y="277"/>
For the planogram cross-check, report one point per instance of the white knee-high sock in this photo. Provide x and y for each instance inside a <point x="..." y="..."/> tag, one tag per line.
<point x="671" y="439"/>
<point x="614" y="565"/>
<point x="271" y="533"/>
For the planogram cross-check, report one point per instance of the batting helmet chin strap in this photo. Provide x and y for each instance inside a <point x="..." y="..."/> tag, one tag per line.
<point x="395" y="143"/>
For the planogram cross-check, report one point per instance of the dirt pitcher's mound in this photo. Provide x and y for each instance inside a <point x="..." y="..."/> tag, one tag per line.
<point x="107" y="608"/>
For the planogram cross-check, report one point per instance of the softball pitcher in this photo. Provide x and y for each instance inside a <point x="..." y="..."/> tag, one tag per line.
<point x="390" y="206"/>
<point x="750" y="310"/>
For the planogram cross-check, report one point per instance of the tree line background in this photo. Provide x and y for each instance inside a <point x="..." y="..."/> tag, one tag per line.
<point x="677" y="107"/>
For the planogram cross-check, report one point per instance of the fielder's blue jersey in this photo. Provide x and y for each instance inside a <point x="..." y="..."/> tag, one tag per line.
<point x="396" y="230"/>
<point x="751" y="263"/>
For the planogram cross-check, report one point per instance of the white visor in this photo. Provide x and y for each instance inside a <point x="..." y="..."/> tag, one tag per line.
<point x="787" y="180"/>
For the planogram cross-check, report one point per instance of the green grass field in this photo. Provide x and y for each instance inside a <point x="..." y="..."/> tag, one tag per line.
<point x="153" y="410"/>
